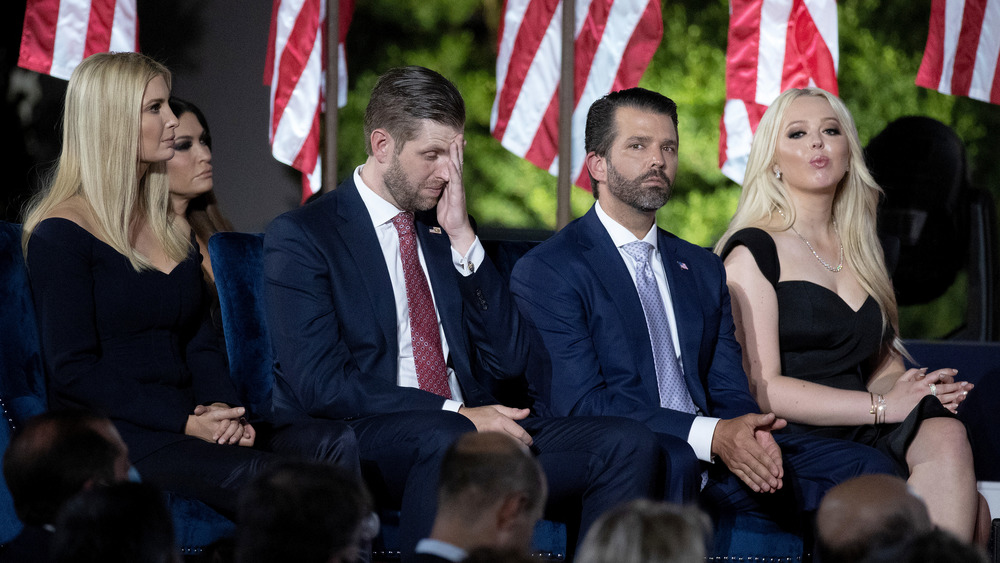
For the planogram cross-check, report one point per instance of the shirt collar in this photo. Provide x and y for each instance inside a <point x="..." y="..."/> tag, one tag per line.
<point x="380" y="211"/>
<point x="441" y="549"/>
<point x="619" y="234"/>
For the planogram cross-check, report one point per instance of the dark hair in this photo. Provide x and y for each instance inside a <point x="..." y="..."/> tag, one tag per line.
<point x="120" y="523"/>
<point x="180" y="107"/>
<point x="488" y="465"/>
<point x="601" y="118"/>
<point x="404" y="96"/>
<point x="52" y="457"/>
<point x="300" y="511"/>
<point x="933" y="546"/>
<point x="203" y="213"/>
<point x="867" y="512"/>
<point x="895" y="529"/>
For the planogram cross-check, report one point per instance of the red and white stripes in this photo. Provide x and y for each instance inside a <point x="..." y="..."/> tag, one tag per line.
<point x="59" y="34"/>
<point x="963" y="47"/>
<point x="773" y="45"/>
<point x="296" y="71"/>
<point x="614" y="42"/>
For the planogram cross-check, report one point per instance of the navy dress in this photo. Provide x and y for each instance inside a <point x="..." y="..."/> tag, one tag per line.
<point x="823" y="340"/>
<point x="140" y="348"/>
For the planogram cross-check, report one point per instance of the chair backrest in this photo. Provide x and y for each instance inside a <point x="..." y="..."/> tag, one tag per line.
<point x="506" y="253"/>
<point x="238" y="264"/>
<point x="22" y="382"/>
<point x="22" y="395"/>
<point x="939" y="219"/>
<point x="977" y="363"/>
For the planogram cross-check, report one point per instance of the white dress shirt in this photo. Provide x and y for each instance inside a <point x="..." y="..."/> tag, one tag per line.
<point x="441" y="549"/>
<point x="703" y="427"/>
<point x="381" y="213"/>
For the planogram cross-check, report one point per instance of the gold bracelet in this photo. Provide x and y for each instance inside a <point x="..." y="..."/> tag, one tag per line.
<point x="880" y="410"/>
<point x="872" y="409"/>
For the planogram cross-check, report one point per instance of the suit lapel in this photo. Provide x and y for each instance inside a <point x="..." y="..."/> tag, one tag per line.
<point x="687" y="313"/>
<point x="607" y="264"/>
<point x="354" y="225"/>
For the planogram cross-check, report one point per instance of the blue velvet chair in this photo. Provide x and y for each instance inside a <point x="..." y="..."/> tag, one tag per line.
<point x="22" y="395"/>
<point x="237" y="260"/>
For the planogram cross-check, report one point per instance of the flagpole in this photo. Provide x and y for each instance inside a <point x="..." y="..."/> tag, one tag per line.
<point x="332" y="94"/>
<point x="566" y="99"/>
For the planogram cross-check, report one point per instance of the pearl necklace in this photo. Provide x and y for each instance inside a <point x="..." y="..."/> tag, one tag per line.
<point x="834" y="269"/>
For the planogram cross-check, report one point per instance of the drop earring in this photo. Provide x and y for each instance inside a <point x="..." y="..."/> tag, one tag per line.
<point x="777" y="174"/>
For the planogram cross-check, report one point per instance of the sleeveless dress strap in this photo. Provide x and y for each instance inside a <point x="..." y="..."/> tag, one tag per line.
<point x="761" y="246"/>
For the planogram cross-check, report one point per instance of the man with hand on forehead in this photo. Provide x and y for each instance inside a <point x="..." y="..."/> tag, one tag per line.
<point x="385" y="312"/>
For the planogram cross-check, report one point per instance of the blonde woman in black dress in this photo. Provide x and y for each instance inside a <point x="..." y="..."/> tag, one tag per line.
<point x="816" y="314"/>
<point x="122" y="305"/>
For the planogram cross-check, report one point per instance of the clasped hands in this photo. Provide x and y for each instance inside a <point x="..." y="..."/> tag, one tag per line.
<point x="747" y="448"/>
<point x="221" y="424"/>
<point x="916" y="383"/>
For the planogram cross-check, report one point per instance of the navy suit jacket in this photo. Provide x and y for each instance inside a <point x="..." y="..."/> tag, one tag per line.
<point x="332" y="317"/>
<point x="577" y="292"/>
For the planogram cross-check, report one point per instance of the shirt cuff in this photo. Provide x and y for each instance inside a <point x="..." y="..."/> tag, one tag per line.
<point x="700" y="436"/>
<point x="468" y="264"/>
<point x="450" y="405"/>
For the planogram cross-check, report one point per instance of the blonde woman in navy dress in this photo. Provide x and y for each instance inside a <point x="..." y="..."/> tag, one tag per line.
<point x="816" y="314"/>
<point x="121" y="301"/>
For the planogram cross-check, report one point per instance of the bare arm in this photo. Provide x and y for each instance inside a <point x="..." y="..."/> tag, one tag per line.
<point x="755" y="311"/>
<point x="892" y="373"/>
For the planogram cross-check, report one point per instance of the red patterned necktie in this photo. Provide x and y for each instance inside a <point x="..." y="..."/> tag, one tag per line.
<point x="432" y="373"/>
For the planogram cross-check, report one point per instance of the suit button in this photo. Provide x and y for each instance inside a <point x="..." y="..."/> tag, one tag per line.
<point x="482" y="300"/>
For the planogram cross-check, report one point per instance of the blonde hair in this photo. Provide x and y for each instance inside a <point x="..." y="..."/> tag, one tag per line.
<point x="855" y="204"/>
<point x="645" y="531"/>
<point x="100" y="159"/>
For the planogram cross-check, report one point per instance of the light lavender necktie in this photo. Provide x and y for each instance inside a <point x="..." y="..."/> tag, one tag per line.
<point x="669" y="379"/>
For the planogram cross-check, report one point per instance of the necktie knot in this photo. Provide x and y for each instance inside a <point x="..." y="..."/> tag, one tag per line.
<point x="639" y="251"/>
<point x="403" y="221"/>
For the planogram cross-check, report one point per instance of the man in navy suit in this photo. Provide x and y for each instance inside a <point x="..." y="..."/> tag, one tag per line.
<point x="385" y="312"/>
<point x="637" y="323"/>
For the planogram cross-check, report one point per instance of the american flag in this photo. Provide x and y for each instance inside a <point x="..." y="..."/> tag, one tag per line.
<point x="295" y="69"/>
<point x="773" y="45"/>
<point x="614" y="42"/>
<point x="59" y="34"/>
<point x="963" y="44"/>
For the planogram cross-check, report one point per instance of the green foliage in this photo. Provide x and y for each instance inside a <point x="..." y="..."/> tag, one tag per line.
<point x="940" y="317"/>
<point x="879" y="58"/>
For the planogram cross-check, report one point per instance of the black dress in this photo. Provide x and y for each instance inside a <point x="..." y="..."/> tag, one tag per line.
<point x="140" y="348"/>
<point x="823" y="340"/>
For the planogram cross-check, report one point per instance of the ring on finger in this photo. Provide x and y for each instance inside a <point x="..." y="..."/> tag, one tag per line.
<point x="933" y="388"/>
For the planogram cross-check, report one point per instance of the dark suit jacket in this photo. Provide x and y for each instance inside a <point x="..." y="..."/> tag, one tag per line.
<point x="332" y="317"/>
<point x="32" y="545"/>
<point x="576" y="290"/>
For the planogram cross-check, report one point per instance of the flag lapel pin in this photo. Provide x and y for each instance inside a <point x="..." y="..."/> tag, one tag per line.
<point x="682" y="265"/>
